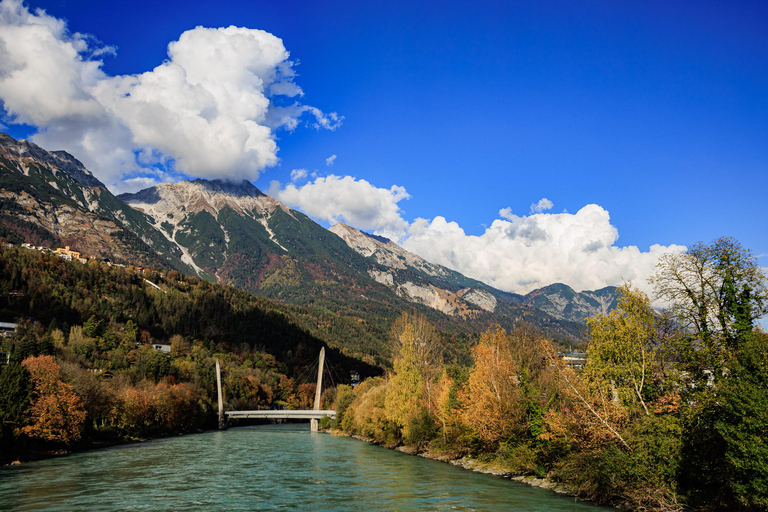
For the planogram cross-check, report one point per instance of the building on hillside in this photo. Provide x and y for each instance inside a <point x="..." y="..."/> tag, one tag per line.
<point x="67" y="254"/>
<point x="574" y="359"/>
<point x="5" y="357"/>
<point x="7" y="329"/>
<point x="165" y="349"/>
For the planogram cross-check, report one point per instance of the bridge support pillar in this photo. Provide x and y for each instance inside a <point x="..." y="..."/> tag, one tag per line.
<point x="222" y="417"/>
<point x="315" y="424"/>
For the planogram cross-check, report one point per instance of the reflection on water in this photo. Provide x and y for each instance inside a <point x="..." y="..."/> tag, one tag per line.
<point x="275" y="467"/>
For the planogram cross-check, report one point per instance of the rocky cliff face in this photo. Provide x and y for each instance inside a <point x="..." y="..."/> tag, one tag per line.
<point x="386" y="252"/>
<point x="563" y="302"/>
<point x="50" y="198"/>
<point x="454" y="294"/>
<point x="417" y="280"/>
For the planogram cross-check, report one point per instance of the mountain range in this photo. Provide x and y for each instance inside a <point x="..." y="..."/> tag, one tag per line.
<point x="347" y="285"/>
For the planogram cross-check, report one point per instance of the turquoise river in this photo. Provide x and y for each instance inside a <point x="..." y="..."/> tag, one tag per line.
<point x="271" y="467"/>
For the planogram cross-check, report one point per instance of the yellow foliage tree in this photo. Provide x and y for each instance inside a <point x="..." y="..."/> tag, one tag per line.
<point x="493" y="385"/>
<point x="621" y="351"/>
<point x="406" y="386"/>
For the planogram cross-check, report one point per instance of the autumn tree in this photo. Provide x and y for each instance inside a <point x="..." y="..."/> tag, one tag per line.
<point x="621" y="349"/>
<point x="406" y="385"/>
<point x="449" y="389"/>
<point x="56" y="413"/>
<point x="414" y="335"/>
<point x="493" y="384"/>
<point x="176" y="406"/>
<point x="137" y="410"/>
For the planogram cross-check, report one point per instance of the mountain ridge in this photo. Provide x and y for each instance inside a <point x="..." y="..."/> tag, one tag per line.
<point x="432" y="282"/>
<point x="234" y="234"/>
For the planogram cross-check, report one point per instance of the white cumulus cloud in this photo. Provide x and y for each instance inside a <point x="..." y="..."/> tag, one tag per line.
<point x="298" y="174"/>
<point x="516" y="253"/>
<point x="329" y="161"/>
<point x="543" y="205"/>
<point x="520" y="254"/>
<point x="346" y="199"/>
<point x="506" y="213"/>
<point x="207" y="111"/>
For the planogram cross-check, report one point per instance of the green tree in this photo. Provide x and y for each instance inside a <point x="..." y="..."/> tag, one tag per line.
<point x="741" y="422"/>
<point x="716" y="292"/>
<point x="94" y="327"/>
<point x="25" y="340"/>
<point x="131" y="335"/>
<point x="15" y="392"/>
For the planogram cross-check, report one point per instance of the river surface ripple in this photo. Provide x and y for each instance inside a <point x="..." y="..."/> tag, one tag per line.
<point x="270" y="467"/>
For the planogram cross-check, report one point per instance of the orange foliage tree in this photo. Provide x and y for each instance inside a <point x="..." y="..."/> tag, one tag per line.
<point x="137" y="411"/>
<point x="57" y="413"/>
<point x="492" y="387"/>
<point x="176" y="406"/>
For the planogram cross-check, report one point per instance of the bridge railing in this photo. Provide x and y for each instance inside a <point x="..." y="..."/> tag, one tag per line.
<point x="282" y="414"/>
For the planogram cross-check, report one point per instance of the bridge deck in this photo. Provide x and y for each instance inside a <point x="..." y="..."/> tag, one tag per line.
<point x="283" y="414"/>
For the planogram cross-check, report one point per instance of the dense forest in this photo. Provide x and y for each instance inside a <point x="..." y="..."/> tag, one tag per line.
<point x="83" y="370"/>
<point x="670" y="411"/>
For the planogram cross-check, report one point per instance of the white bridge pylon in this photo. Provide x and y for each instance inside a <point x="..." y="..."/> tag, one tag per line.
<point x="314" y="415"/>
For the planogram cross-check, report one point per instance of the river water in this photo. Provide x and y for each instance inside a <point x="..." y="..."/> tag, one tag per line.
<point x="271" y="467"/>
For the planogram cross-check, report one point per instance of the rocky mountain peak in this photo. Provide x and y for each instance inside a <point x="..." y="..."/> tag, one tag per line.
<point x="244" y="188"/>
<point x="194" y="196"/>
<point x="25" y="151"/>
<point x="565" y="303"/>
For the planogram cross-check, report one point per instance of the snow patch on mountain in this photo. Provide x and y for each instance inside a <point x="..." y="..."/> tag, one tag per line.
<point x="263" y="222"/>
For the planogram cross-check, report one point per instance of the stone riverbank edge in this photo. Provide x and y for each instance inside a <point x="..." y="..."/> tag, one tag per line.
<point x="472" y="465"/>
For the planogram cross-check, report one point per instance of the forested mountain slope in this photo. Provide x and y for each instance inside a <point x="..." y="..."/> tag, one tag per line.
<point x="46" y="289"/>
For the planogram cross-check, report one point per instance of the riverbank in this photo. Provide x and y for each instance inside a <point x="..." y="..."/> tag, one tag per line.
<point x="86" y="446"/>
<point x="468" y="463"/>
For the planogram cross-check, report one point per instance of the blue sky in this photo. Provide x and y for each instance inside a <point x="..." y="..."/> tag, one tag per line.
<point x="475" y="111"/>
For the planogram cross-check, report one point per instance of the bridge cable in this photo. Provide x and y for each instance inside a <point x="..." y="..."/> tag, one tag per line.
<point x="333" y="369"/>
<point x="303" y="377"/>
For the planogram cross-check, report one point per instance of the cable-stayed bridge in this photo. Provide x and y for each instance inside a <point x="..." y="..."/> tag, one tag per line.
<point x="314" y="415"/>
